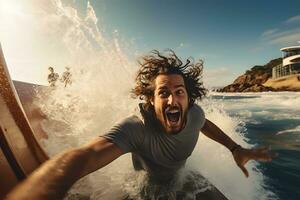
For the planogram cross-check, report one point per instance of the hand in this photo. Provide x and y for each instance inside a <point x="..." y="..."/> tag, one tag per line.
<point x="242" y="156"/>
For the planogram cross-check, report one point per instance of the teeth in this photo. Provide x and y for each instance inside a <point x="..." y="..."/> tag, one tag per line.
<point x="173" y="111"/>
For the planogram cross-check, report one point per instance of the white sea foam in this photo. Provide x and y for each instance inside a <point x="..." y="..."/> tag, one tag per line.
<point x="266" y="105"/>
<point x="266" y="99"/>
<point x="99" y="96"/>
<point x="293" y="130"/>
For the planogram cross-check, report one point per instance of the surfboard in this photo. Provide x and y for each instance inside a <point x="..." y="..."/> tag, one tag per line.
<point x="20" y="152"/>
<point x="195" y="187"/>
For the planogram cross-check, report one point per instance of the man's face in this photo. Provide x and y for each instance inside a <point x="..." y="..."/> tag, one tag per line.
<point x="170" y="102"/>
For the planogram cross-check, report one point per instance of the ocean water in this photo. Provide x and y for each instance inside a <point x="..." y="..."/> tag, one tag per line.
<point x="271" y="119"/>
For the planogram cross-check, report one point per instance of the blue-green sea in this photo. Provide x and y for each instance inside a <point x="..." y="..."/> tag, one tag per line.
<point x="271" y="119"/>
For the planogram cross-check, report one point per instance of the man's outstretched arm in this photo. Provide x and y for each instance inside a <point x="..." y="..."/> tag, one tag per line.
<point x="240" y="154"/>
<point x="54" y="178"/>
<point x="215" y="133"/>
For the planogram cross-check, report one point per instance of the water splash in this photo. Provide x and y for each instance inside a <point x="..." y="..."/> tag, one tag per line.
<point x="216" y="163"/>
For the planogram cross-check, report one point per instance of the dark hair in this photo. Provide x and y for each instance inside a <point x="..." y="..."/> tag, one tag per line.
<point x="155" y="64"/>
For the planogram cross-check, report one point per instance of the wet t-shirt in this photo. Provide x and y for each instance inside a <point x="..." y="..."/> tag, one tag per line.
<point x="160" y="153"/>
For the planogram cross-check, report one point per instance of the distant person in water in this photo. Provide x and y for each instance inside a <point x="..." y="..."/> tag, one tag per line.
<point x="66" y="77"/>
<point x="52" y="77"/>
<point x="160" y="138"/>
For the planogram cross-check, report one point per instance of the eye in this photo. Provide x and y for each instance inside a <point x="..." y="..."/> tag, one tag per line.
<point x="163" y="94"/>
<point x="180" y="92"/>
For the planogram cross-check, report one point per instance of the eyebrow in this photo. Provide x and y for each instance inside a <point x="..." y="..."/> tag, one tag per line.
<point x="176" y="86"/>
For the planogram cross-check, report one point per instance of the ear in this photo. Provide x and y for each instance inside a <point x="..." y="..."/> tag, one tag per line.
<point x="152" y="102"/>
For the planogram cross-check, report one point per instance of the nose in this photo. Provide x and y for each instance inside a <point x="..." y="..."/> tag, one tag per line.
<point x="172" y="100"/>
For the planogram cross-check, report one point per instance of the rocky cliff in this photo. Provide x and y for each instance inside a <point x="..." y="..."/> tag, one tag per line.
<point x="253" y="79"/>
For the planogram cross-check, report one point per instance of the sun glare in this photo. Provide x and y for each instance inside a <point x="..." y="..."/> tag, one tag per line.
<point x="10" y="7"/>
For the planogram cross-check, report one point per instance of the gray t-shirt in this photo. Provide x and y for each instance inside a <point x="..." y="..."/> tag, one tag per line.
<point x="159" y="152"/>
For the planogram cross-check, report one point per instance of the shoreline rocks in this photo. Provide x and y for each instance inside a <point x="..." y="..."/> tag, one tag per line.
<point x="259" y="79"/>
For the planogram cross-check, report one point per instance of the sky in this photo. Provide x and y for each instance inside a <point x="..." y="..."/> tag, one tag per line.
<point x="230" y="36"/>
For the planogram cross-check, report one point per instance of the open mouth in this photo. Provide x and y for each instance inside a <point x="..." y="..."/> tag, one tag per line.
<point x="173" y="116"/>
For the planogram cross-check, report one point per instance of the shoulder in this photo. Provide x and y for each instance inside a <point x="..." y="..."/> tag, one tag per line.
<point x="131" y="122"/>
<point x="196" y="116"/>
<point x="127" y="134"/>
<point x="132" y="119"/>
<point x="197" y="111"/>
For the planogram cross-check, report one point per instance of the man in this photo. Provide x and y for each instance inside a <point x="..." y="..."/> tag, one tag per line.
<point x="52" y="77"/>
<point x="160" y="140"/>
<point x="66" y="77"/>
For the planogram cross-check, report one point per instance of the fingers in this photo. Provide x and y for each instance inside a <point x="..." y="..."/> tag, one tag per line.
<point x="263" y="154"/>
<point x="273" y="154"/>
<point x="263" y="157"/>
<point x="244" y="170"/>
<point x="262" y="149"/>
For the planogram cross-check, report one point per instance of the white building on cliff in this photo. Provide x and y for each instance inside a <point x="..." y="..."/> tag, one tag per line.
<point x="290" y="63"/>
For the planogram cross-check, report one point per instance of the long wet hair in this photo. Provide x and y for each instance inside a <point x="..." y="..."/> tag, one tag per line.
<point x="157" y="63"/>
